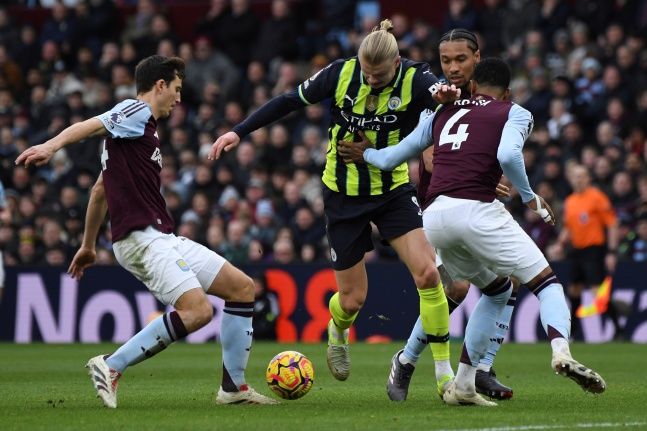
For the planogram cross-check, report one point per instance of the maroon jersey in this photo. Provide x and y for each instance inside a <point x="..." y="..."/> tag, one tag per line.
<point x="466" y="136"/>
<point x="131" y="162"/>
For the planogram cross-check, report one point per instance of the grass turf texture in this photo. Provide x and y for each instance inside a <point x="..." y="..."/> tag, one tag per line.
<point x="46" y="387"/>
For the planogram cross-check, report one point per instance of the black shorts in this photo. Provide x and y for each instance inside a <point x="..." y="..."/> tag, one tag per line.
<point x="348" y="221"/>
<point x="587" y="265"/>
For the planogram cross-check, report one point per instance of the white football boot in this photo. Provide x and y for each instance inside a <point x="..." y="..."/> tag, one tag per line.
<point x="588" y="379"/>
<point x="247" y="395"/>
<point x="454" y="397"/>
<point x="104" y="379"/>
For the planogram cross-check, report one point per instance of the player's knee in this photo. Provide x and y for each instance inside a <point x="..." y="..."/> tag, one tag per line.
<point x="244" y="290"/>
<point x="427" y="278"/>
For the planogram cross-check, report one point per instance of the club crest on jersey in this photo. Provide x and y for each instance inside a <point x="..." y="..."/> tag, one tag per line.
<point x="182" y="265"/>
<point x="371" y="102"/>
<point x="394" y="102"/>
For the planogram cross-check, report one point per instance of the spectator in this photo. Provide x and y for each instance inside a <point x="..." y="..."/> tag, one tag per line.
<point x="235" y="247"/>
<point x="634" y="248"/>
<point x="277" y="38"/>
<point x="210" y="66"/>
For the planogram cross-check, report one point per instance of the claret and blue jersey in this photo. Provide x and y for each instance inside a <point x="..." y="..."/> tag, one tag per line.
<point x="131" y="163"/>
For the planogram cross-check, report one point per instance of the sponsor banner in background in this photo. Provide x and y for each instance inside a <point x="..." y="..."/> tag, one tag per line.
<point x="108" y="304"/>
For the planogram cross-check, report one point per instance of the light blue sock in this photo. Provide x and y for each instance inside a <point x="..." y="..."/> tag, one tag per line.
<point x="502" y="328"/>
<point x="416" y="343"/>
<point x="481" y="325"/>
<point x="236" y="339"/>
<point x="553" y="311"/>
<point x="152" y="339"/>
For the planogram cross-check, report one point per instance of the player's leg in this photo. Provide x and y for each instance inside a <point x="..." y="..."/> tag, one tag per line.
<point x="480" y="326"/>
<point x="349" y="237"/>
<point x="454" y="225"/>
<point x="404" y="361"/>
<point x="236" y="333"/>
<point x="153" y="258"/>
<point x="520" y="254"/>
<point x="344" y="307"/>
<point x="487" y="382"/>
<point x="220" y="278"/>
<point x="400" y="222"/>
<point x="555" y="318"/>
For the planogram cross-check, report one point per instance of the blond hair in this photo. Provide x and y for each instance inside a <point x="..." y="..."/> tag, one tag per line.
<point x="379" y="45"/>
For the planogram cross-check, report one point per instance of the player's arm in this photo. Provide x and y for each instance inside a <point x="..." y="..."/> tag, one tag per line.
<point x="389" y="158"/>
<point x="510" y="155"/>
<point x="94" y="216"/>
<point x="317" y="88"/>
<point x="41" y="154"/>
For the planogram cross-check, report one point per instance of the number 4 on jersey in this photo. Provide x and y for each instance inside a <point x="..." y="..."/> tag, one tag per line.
<point x="456" y="139"/>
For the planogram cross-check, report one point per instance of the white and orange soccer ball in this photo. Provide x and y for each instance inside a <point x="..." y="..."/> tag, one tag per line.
<point x="290" y="375"/>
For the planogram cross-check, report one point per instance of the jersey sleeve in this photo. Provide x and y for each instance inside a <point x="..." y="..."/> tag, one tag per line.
<point x="515" y="132"/>
<point x="321" y="85"/>
<point x="127" y="119"/>
<point x="414" y="143"/>
<point x="424" y="86"/>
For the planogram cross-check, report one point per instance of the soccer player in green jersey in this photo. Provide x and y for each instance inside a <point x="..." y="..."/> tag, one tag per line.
<point x="379" y="95"/>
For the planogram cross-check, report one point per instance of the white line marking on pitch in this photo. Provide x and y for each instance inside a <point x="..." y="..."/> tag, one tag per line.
<point x="553" y="427"/>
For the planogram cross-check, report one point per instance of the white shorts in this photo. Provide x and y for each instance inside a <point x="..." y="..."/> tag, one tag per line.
<point x="478" y="241"/>
<point x="168" y="265"/>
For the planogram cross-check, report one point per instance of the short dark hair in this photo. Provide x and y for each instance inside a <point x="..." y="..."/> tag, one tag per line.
<point x="156" y="67"/>
<point x="461" y="34"/>
<point x="492" y="72"/>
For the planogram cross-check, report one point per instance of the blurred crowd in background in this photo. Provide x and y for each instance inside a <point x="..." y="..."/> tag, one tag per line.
<point x="579" y="67"/>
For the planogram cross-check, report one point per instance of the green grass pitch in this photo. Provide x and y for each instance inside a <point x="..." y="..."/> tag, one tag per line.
<point x="45" y="387"/>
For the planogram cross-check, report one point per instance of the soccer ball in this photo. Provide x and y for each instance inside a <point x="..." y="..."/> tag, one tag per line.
<point x="290" y="375"/>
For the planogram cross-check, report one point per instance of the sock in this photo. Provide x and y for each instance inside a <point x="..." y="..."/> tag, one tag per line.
<point x="502" y="327"/>
<point x="553" y="311"/>
<point x="466" y="373"/>
<point x="481" y="324"/>
<point x="443" y="368"/>
<point x="418" y="339"/>
<point x="434" y="314"/>
<point x="415" y="344"/>
<point x="484" y="367"/>
<point x="560" y="345"/>
<point x="340" y="318"/>
<point x="152" y="339"/>
<point x="236" y="339"/>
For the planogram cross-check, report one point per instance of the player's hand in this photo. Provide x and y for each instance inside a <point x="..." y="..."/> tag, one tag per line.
<point x="542" y="209"/>
<point x="354" y="151"/>
<point x="446" y="94"/>
<point x="226" y="142"/>
<point x="37" y="155"/>
<point x="502" y="191"/>
<point x="82" y="259"/>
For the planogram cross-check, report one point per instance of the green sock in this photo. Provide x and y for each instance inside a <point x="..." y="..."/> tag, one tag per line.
<point x="435" y="320"/>
<point x="341" y="319"/>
